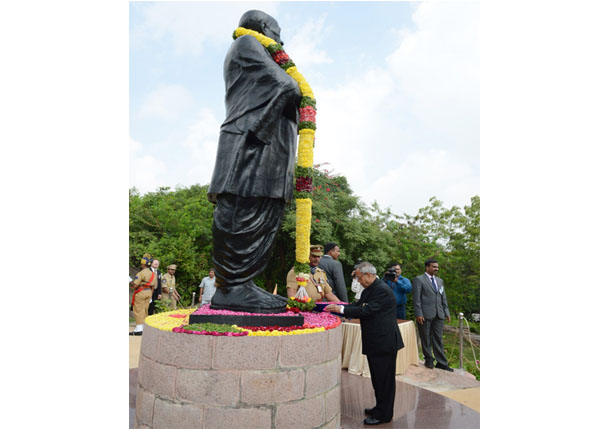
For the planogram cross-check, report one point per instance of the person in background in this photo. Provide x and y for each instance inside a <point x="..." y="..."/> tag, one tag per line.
<point x="317" y="287"/>
<point x="144" y="263"/>
<point x="431" y="307"/>
<point x="207" y="288"/>
<point x="169" y="286"/>
<point x="145" y="282"/>
<point x="381" y="339"/>
<point x="356" y="286"/>
<point x="401" y="287"/>
<point x="157" y="292"/>
<point x="333" y="269"/>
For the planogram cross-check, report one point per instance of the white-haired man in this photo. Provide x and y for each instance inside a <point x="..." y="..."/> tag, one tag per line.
<point x="381" y="339"/>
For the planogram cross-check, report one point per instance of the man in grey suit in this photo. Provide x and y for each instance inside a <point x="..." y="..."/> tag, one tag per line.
<point x="431" y="307"/>
<point x="333" y="269"/>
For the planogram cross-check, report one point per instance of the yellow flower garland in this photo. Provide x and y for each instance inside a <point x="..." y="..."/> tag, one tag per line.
<point x="305" y="153"/>
<point x="303" y="214"/>
<point x="165" y="322"/>
<point x="305" y="148"/>
<point x="279" y="333"/>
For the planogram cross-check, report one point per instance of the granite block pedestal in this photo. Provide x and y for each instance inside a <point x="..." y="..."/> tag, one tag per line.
<point x="203" y="381"/>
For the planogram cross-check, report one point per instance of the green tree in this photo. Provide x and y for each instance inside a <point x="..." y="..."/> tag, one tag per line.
<point x="175" y="226"/>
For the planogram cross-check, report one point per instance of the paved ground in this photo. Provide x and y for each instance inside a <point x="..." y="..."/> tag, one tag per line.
<point x="459" y="385"/>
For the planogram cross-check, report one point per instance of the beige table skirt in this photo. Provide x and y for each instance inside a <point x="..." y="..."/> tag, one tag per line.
<point x="356" y="362"/>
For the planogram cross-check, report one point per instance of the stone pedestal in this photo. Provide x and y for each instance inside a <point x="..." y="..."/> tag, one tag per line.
<point x="202" y="381"/>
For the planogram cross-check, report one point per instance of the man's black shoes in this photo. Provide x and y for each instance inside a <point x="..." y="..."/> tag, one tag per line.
<point x="429" y="365"/>
<point x="374" y="421"/>
<point x="135" y="333"/>
<point x="369" y="411"/>
<point x="444" y="367"/>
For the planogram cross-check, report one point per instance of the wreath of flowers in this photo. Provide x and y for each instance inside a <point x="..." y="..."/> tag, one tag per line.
<point x="306" y="130"/>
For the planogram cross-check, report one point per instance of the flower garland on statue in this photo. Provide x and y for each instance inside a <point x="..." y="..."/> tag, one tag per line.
<point x="304" y="166"/>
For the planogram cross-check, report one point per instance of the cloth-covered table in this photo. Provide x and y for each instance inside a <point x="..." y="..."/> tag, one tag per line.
<point x="356" y="362"/>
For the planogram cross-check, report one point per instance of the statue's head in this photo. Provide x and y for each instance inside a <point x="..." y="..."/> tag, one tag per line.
<point x="259" y="21"/>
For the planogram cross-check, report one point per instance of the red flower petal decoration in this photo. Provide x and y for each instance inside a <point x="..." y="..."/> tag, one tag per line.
<point x="307" y="113"/>
<point x="280" y="57"/>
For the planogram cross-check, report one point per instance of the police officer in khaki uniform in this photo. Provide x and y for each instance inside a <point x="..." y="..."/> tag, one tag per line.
<point x="168" y="286"/>
<point x="317" y="287"/>
<point x="145" y="282"/>
<point x="144" y="263"/>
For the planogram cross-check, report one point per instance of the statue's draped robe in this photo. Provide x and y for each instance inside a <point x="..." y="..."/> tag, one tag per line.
<point x="254" y="171"/>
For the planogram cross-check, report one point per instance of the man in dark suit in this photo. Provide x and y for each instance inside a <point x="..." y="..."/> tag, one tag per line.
<point x="254" y="171"/>
<point x="381" y="339"/>
<point x="431" y="307"/>
<point x="156" y="293"/>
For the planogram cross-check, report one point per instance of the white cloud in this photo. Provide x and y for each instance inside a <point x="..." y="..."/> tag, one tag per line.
<point x="436" y="69"/>
<point x="351" y="125"/>
<point x="146" y="172"/>
<point x="201" y="145"/>
<point x="421" y="175"/>
<point x="410" y="130"/>
<point x="193" y="26"/>
<point x="166" y="102"/>
<point x="303" y="46"/>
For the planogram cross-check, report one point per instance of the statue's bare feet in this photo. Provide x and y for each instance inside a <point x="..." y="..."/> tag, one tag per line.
<point x="248" y="298"/>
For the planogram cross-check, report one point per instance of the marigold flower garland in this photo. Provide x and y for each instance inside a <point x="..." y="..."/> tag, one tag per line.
<point x="170" y="319"/>
<point x="306" y="131"/>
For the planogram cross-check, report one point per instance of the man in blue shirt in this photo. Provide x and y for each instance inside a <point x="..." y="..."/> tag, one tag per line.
<point x="400" y="285"/>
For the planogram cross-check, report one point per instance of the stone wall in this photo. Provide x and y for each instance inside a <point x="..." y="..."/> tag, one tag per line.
<point x="203" y="381"/>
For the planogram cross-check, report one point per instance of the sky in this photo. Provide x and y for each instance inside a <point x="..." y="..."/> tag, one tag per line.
<point x="396" y="83"/>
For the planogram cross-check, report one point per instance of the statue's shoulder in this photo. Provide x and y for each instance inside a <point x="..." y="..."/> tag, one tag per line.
<point x="247" y="42"/>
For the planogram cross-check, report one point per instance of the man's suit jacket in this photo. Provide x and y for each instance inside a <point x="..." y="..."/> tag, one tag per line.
<point x="335" y="276"/>
<point x="257" y="145"/>
<point x="376" y="310"/>
<point x="426" y="302"/>
<point x="158" y="290"/>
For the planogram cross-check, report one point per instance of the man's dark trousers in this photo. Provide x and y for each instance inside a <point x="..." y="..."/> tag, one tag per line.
<point x="431" y="335"/>
<point x="383" y="378"/>
<point x="401" y="311"/>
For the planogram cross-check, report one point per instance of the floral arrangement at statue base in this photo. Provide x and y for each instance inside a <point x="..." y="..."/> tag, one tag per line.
<point x="178" y="321"/>
<point x="297" y="305"/>
<point x="211" y="329"/>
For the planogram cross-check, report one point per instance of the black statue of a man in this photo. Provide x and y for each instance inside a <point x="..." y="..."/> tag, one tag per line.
<point x="254" y="172"/>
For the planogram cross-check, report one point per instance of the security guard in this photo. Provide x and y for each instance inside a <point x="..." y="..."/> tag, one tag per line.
<point x="145" y="282"/>
<point x="317" y="287"/>
<point x="168" y="285"/>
